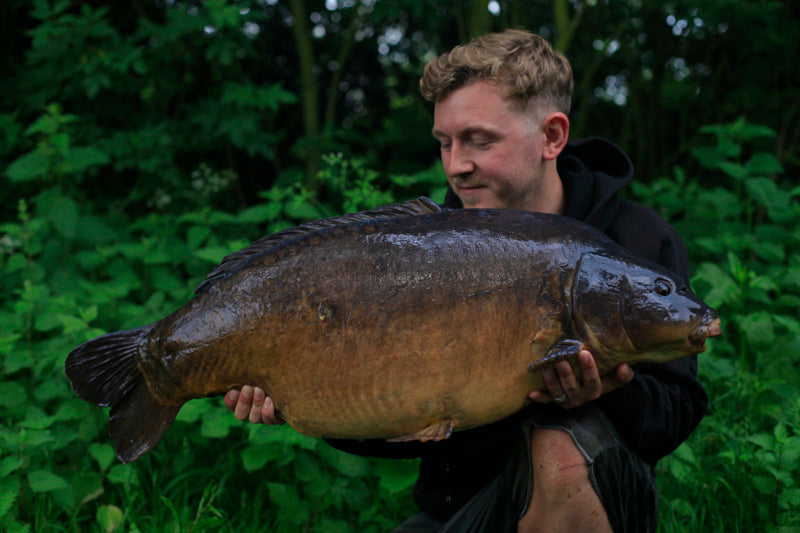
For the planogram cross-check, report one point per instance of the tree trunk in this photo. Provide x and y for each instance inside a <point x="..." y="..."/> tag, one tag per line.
<point x="309" y="96"/>
<point x="480" y="20"/>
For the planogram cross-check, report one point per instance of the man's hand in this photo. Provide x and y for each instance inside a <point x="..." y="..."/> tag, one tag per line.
<point x="564" y="387"/>
<point x="251" y="403"/>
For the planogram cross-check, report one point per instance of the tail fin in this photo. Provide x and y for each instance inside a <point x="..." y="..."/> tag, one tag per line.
<point x="104" y="371"/>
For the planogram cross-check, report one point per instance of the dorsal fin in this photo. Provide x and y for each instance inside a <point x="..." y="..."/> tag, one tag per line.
<point x="418" y="206"/>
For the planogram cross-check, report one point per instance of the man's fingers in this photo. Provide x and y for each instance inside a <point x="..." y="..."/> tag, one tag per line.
<point x="268" y="414"/>
<point x="540" y="396"/>
<point x="621" y="376"/>
<point x="253" y="404"/>
<point x="624" y="373"/>
<point x="230" y="399"/>
<point x="561" y="382"/>
<point x="552" y="380"/>
<point x="243" y="404"/>
<point x="590" y="376"/>
<point x="258" y="403"/>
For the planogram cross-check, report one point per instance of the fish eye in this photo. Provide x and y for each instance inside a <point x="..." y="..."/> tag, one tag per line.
<point x="663" y="287"/>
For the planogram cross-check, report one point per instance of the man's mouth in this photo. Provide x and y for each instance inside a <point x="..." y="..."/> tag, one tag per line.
<point x="470" y="187"/>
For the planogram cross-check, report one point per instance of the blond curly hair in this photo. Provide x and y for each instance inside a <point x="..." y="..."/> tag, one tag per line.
<point x="523" y="64"/>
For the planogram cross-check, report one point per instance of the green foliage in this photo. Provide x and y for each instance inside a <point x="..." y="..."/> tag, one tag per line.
<point x="737" y="470"/>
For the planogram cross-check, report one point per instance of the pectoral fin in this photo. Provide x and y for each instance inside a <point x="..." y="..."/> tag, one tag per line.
<point x="439" y="430"/>
<point x="561" y="351"/>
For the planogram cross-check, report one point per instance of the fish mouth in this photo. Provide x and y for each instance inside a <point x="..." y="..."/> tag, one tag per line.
<point x="710" y="327"/>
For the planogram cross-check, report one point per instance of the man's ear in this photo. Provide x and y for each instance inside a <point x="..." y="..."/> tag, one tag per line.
<point x="556" y="130"/>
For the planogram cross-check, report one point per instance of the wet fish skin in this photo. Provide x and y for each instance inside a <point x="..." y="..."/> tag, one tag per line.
<point x="403" y="323"/>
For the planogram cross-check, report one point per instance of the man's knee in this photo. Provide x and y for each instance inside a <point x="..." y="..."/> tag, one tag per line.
<point x="559" y="468"/>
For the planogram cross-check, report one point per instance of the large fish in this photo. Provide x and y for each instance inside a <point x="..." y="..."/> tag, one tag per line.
<point x="405" y="323"/>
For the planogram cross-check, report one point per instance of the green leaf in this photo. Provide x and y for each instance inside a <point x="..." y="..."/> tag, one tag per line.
<point x="780" y="432"/>
<point x="217" y="424"/>
<point x="350" y="465"/>
<point x="685" y="452"/>
<point x="165" y="280"/>
<point x="734" y="170"/>
<point x="254" y="457"/>
<point x="770" y="252"/>
<point x="191" y="412"/>
<point x="746" y="131"/>
<point x="94" y="230"/>
<point x="765" y="484"/>
<point x="9" y="464"/>
<point x="308" y="468"/>
<point x="157" y="257"/>
<point x="258" y="214"/>
<point x="397" y="475"/>
<point x="50" y="390"/>
<point x="46" y="322"/>
<point x="789" y="499"/>
<point x="109" y="517"/>
<point x="123" y="474"/>
<point x="763" y="163"/>
<point x="334" y="526"/>
<point x="720" y="202"/>
<point x="302" y="211"/>
<point x="679" y="470"/>
<point x="723" y="288"/>
<point x="35" y="418"/>
<point x="212" y="254"/>
<point x="766" y="192"/>
<point x="38" y="437"/>
<point x="80" y="158"/>
<point x="71" y="324"/>
<point x="63" y="213"/>
<point x="46" y="481"/>
<point x="87" y="486"/>
<point x="103" y="454"/>
<point x="790" y="323"/>
<point x="681" y="507"/>
<point x="758" y="328"/>
<point x="708" y="157"/>
<point x="197" y="235"/>
<point x="29" y="167"/>
<point x="7" y="499"/>
<point x="286" y="497"/>
<point x="762" y="440"/>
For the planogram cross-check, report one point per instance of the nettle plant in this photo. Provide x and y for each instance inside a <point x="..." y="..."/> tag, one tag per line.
<point x="743" y="238"/>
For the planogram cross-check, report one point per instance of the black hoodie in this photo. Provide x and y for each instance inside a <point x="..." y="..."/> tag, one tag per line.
<point x="654" y="413"/>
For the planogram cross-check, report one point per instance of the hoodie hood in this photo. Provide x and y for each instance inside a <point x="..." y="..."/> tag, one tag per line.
<point x="593" y="171"/>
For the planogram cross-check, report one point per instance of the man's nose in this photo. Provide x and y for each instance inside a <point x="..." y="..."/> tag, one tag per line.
<point x="460" y="161"/>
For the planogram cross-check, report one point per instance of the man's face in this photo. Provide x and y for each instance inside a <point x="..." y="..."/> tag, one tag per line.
<point x="491" y="156"/>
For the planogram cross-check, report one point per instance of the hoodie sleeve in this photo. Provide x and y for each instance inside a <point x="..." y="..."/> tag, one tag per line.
<point x="665" y="402"/>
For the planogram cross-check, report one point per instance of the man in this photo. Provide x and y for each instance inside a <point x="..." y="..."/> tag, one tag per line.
<point x="583" y="459"/>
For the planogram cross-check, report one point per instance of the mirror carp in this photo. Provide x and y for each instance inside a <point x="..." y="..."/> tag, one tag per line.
<point x="405" y="323"/>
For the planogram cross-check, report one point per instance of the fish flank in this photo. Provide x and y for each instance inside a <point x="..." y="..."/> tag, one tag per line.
<point x="388" y="324"/>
